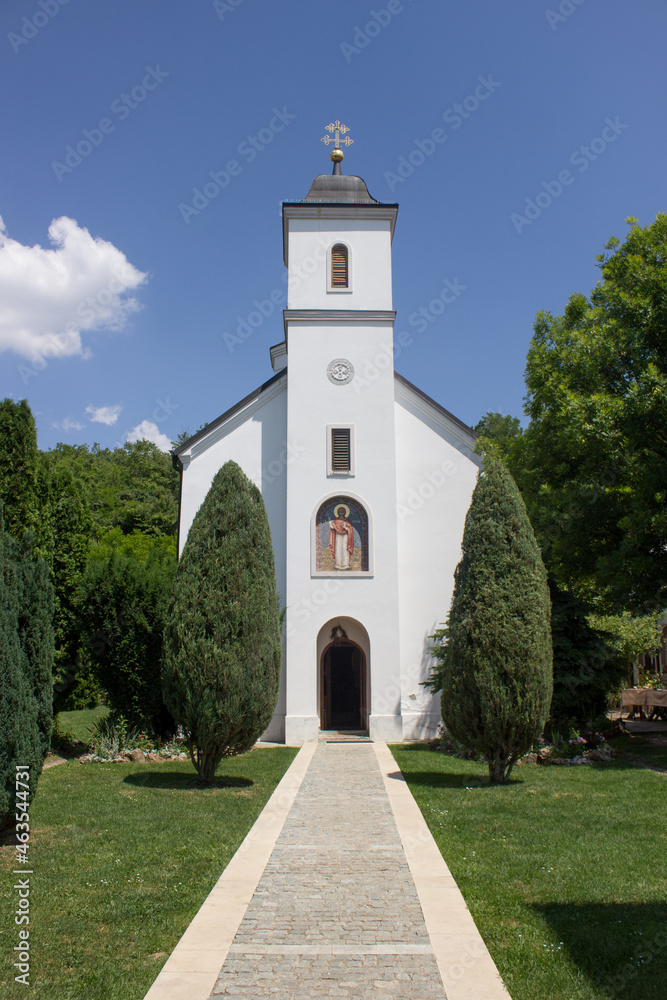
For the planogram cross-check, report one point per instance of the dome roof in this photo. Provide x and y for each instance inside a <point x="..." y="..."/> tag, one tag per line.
<point x="339" y="189"/>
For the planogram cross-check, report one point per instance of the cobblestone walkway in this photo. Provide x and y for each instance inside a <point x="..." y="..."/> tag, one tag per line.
<point x="335" y="913"/>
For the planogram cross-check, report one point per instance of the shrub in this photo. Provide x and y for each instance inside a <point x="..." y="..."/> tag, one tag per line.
<point x="127" y="597"/>
<point x="112" y="736"/>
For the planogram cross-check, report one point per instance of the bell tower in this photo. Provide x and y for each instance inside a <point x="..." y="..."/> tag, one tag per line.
<point x="341" y="531"/>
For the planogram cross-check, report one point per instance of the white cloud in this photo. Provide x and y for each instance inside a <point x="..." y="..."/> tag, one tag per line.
<point x="148" y="431"/>
<point x="104" y="414"/>
<point x="48" y="298"/>
<point x="68" y="424"/>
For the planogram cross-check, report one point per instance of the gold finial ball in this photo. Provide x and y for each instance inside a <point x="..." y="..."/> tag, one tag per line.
<point x="336" y="156"/>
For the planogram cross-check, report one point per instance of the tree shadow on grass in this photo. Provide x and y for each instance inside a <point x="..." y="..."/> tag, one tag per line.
<point x="461" y="780"/>
<point x="627" y="764"/>
<point x="620" y="947"/>
<point x="185" y="781"/>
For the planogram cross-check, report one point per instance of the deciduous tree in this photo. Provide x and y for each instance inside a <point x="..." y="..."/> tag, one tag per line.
<point x="596" y="444"/>
<point x="587" y="666"/>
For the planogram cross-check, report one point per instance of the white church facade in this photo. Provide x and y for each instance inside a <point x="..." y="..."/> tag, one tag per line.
<point x="366" y="481"/>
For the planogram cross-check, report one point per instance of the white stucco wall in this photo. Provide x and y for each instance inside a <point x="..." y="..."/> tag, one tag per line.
<point x="436" y="474"/>
<point x="370" y="264"/>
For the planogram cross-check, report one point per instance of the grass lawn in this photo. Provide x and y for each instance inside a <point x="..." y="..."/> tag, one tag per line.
<point x="564" y="870"/>
<point x="123" y="855"/>
<point x="81" y="722"/>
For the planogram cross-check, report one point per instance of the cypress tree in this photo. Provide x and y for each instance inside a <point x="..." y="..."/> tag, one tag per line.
<point x="71" y="525"/>
<point x="222" y="643"/>
<point x="36" y="636"/>
<point x="26" y="655"/>
<point x="18" y="468"/>
<point x="496" y="664"/>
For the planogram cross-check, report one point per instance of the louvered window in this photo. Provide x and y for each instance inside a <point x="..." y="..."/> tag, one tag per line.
<point x="339" y="275"/>
<point x="340" y="449"/>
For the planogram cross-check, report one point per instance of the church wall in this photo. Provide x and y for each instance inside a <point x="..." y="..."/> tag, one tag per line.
<point x="257" y="440"/>
<point x="370" y="264"/>
<point x="435" y="481"/>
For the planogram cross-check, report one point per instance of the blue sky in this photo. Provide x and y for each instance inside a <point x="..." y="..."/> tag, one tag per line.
<point x="128" y="322"/>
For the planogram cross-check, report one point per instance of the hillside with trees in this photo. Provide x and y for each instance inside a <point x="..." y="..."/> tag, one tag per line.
<point x="101" y="519"/>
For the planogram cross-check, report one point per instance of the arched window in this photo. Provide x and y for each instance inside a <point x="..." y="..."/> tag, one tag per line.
<point x="339" y="266"/>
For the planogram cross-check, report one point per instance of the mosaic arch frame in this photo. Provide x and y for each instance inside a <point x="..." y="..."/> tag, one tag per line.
<point x="341" y="537"/>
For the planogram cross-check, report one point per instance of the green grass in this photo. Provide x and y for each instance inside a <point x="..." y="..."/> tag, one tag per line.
<point x="81" y="722"/>
<point x="563" y="869"/>
<point x="123" y="855"/>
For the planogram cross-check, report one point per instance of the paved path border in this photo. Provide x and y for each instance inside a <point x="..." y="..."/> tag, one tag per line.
<point x="191" y="971"/>
<point x="468" y="972"/>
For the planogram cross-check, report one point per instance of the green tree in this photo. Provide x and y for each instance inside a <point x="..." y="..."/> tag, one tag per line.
<point x="71" y="526"/>
<point x="26" y="655"/>
<point x="595" y="448"/>
<point x="629" y="635"/>
<point x="128" y="588"/>
<point x="36" y="635"/>
<point x="499" y="436"/>
<point x="496" y="661"/>
<point x="222" y="644"/>
<point x="134" y="487"/>
<point x="587" y="666"/>
<point x="18" y="467"/>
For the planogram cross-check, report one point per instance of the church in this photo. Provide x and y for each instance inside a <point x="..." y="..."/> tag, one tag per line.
<point x="366" y="479"/>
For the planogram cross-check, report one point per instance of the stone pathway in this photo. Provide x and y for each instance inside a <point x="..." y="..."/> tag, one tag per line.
<point x="338" y="890"/>
<point x="336" y="913"/>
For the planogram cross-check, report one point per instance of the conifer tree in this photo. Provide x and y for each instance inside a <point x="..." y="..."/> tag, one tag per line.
<point x="496" y="662"/>
<point x="64" y="505"/>
<point x="222" y="643"/>
<point x="18" y="467"/>
<point x="36" y="635"/>
<point x="26" y="655"/>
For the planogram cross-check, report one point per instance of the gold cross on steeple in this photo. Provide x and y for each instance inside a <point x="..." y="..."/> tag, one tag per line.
<point x="339" y="130"/>
<point x="337" y="152"/>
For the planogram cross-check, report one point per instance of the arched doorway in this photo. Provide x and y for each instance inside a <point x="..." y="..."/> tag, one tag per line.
<point x="343" y="684"/>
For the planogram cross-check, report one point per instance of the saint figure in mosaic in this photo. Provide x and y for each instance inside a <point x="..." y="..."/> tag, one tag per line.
<point x="342" y="536"/>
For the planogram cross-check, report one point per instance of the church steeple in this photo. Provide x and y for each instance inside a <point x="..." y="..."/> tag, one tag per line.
<point x="338" y="209"/>
<point x="340" y="408"/>
<point x="338" y="231"/>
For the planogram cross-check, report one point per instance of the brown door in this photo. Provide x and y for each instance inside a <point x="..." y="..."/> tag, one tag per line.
<point x="343" y="687"/>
